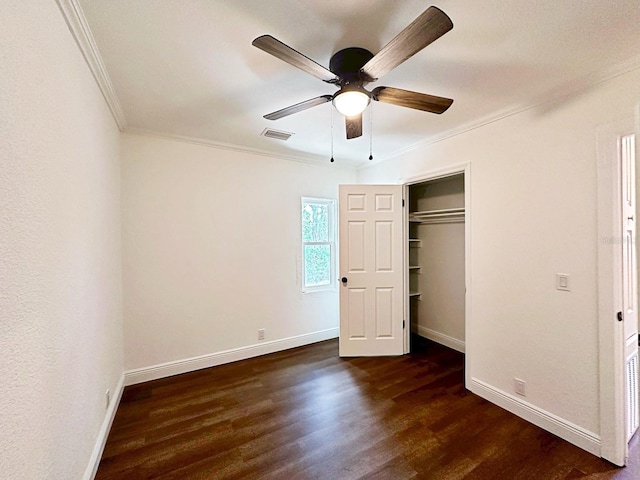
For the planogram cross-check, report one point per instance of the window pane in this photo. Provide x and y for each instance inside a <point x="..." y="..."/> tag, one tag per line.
<point x="315" y="223"/>
<point x="317" y="265"/>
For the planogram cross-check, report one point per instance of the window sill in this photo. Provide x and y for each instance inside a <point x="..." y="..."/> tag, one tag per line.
<point x="319" y="290"/>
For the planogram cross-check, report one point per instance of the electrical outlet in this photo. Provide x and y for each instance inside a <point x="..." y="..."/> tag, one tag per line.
<point x="261" y="334"/>
<point x="107" y="397"/>
<point x="519" y="386"/>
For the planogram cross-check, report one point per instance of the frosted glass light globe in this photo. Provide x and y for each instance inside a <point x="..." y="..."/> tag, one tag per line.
<point x="351" y="102"/>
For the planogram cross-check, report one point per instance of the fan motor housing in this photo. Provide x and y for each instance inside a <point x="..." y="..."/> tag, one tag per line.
<point x="348" y="62"/>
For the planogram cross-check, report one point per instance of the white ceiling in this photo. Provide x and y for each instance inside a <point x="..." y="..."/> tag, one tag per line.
<point x="187" y="69"/>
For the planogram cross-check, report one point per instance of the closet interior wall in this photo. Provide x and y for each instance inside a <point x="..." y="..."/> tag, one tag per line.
<point x="437" y="260"/>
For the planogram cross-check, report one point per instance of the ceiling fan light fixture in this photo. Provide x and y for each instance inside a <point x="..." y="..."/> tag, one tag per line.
<point x="352" y="68"/>
<point x="351" y="101"/>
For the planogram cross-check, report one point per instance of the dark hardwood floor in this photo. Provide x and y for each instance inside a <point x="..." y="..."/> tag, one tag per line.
<point x="307" y="414"/>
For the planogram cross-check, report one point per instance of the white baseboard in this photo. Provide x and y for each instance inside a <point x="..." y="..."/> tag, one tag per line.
<point x="177" y="367"/>
<point x="101" y="440"/>
<point x="441" y="338"/>
<point x="564" y="429"/>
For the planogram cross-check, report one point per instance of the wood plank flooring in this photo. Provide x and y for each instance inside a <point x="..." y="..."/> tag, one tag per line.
<point x="307" y="414"/>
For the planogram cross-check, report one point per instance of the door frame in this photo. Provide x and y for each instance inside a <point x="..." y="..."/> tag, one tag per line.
<point x="465" y="170"/>
<point x="613" y="441"/>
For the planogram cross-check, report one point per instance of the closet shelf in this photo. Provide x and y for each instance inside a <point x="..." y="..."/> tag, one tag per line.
<point x="414" y="267"/>
<point x="446" y="215"/>
<point x="414" y="294"/>
<point x="415" y="242"/>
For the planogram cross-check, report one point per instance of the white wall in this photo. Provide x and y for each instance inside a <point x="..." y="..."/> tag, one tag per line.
<point x="60" y="263"/>
<point x="211" y="247"/>
<point x="533" y="201"/>
<point x="441" y="307"/>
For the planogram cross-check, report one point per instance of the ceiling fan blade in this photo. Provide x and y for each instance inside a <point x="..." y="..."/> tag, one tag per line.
<point x="428" y="27"/>
<point x="406" y="98"/>
<point x="298" y="107"/>
<point x="284" y="52"/>
<point x="354" y="126"/>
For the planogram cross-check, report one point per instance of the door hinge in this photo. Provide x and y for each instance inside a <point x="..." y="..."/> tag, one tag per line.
<point x="403" y="202"/>
<point x="620" y="317"/>
<point x="403" y="323"/>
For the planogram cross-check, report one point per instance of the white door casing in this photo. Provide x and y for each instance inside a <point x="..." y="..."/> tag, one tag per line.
<point x="371" y="270"/>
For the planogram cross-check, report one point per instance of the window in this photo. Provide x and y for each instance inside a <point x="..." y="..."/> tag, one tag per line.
<point x="318" y="244"/>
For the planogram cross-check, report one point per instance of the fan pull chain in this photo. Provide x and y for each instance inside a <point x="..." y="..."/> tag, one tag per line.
<point x="371" y="132"/>
<point x="332" y="160"/>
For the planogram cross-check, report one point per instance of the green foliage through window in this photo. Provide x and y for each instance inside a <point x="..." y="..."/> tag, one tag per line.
<point x="317" y="265"/>
<point x="315" y="223"/>
<point x="318" y="247"/>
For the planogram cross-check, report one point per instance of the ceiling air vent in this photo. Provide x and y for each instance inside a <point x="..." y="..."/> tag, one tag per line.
<point x="277" y="134"/>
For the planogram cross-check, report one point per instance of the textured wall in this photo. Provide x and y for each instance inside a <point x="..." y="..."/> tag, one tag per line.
<point x="211" y="242"/>
<point x="533" y="214"/>
<point x="60" y="262"/>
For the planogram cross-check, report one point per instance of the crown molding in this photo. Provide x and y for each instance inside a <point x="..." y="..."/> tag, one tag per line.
<point x="77" y="23"/>
<point x="300" y="158"/>
<point x="570" y="88"/>
<point x="79" y="27"/>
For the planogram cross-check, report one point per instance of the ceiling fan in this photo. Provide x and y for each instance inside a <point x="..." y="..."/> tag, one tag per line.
<point x="352" y="68"/>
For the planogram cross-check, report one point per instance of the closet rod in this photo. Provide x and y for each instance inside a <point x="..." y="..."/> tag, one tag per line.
<point x="448" y="215"/>
<point x="444" y="211"/>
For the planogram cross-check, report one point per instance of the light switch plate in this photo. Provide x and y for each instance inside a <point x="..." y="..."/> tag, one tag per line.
<point x="562" y="282"/>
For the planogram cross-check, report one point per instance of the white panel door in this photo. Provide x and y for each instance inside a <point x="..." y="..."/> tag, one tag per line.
<point x="371" y="270"/>
<point x="629" y="282"/>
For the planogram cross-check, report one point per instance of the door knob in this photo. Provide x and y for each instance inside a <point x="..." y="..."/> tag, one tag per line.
<point x="343" y="280"/>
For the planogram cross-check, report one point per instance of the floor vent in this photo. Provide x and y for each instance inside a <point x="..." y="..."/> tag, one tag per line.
<point x="632" y="395"/>
<point x="277" y="134"/>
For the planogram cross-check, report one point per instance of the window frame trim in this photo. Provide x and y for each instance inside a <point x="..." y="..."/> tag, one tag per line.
<point x="331" y="204"/>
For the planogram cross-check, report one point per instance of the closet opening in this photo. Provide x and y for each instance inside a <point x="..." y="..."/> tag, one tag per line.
<point x="436" y="268"/>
